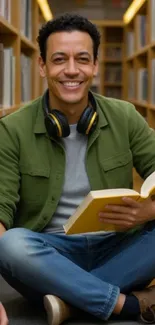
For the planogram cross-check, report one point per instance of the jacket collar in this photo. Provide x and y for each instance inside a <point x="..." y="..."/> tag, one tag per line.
<point x="39" y="126"/>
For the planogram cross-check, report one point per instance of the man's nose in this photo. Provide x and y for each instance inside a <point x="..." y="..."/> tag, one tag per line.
<point x="71" y="67"/>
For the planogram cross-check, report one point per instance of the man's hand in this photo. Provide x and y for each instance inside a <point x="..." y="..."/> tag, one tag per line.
<point x="129" y="215"/>
<point x="3" y="316"/>
<point x="2" y="229"/>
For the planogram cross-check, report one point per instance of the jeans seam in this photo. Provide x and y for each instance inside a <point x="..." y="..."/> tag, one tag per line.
<point x="110" y="302"/>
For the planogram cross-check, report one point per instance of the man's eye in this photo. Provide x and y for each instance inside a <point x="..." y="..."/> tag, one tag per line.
<point x="84" y="60"/>
<point x="59" y="60"/>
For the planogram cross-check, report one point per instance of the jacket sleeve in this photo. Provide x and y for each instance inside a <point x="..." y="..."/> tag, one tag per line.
<point x="9" y="175"/>
<point x="142" y="143"/>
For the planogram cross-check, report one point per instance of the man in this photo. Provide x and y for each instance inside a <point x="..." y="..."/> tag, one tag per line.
<point x="52" y="153"/>
<point x="3" y="316"/>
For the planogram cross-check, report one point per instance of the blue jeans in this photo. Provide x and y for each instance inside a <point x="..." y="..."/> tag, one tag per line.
<point x="86" y="271"/>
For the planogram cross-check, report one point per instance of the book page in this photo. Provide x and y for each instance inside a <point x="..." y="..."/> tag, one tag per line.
<point x="116" y="192"/>
<point x="148" y="186"/>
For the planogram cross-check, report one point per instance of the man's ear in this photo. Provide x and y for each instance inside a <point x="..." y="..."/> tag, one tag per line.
<point x="96" y="66"/>
<point x="42" y="67"/>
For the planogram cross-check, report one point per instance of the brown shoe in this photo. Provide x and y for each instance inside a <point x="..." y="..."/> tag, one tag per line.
<point x="146" y="300"/>
<point x="57" y="310"/>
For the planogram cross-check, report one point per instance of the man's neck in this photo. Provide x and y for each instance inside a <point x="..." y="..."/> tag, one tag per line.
<point x="71" y="111"/>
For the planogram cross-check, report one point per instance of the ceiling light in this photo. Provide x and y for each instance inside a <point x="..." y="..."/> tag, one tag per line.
<point x="45" y="9"/>
<point x="132" y="10"/>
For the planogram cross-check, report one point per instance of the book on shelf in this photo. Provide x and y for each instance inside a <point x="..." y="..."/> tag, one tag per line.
<point x="5" y="9"/>
<point x="113" y="52"/>
<point x="26" y="79"/>
<point x="153" y="81"/>
<point x="131" y="84"/>
<point x="142" y="30"/>
<point x="7" y="76"/>
<point x="130" y="46"/>
<point x="142" y="84"/>
<point x="152" y="4"/>
<point x="26" y="18"/>
<point x="86" y="217"/>
<point x="113" y="92"/>
<point x="113" y="73"/>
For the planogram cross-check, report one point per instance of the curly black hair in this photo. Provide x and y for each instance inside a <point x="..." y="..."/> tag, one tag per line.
<point x="68" y="22"/>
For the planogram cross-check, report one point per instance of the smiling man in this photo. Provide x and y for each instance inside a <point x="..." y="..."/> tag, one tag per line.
<point x="53" y="151"/>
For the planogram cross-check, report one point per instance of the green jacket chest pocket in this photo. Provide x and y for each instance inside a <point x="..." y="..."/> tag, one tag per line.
<point x="34" y="184"/>
<point x="117" y="170"/>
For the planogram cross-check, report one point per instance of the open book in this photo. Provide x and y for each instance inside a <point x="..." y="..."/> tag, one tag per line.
<point x="86" y="219"/>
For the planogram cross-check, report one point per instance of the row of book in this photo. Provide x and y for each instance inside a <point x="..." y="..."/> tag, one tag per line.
<point x="5" y="9"/>
<point x="113" y="92"/>
<point x="7" y="77"/>
<point x="113" y="73"/>
<point x="142" y="29"/>
<point x="113" y="52"/>
<point x="142" y="89"/>
<point x="25" y="15"/>
<point x="26" y="18"/>
<point x="26" y="79"/>
<point x="142" y="82"/>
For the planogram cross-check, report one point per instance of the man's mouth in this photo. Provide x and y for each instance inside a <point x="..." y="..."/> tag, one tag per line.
<point x="71" y="84"/>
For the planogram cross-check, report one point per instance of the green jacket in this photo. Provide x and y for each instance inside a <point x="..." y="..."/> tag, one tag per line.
<point x="32" y="166"/>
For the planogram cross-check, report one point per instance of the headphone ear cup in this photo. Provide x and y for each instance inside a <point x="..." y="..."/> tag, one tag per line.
<point x="84" y="122"/>
<point x="56" y="124"/>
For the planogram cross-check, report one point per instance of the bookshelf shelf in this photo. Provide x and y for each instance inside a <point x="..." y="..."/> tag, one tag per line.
<point x="113" y="60"/>
<point x="18" y="55"/>
<point x="130" y="58"/>
<point x="140" y="104"/>
<point x="108" y="84"/>
<point x="109" y="81"/>
<point x="7" y="28"/>
<point x="139" y="61"/>
<point x="151" y="107"/>
<point x="26" y="43"/>
<point x="111" y="44"/>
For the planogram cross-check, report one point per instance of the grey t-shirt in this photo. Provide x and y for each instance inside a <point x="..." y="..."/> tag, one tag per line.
<point x="76" y="184"/>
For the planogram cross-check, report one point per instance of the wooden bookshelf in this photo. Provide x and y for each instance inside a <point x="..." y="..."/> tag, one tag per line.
<point x="22" y="43"/>
<point x="139" y="61"/>
<point x="110" y="78"/>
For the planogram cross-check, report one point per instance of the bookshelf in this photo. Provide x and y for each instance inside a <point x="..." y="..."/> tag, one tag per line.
<point x="139" y="60"/>
<point x="19" y="78"/>
<point x="109" y="81"/>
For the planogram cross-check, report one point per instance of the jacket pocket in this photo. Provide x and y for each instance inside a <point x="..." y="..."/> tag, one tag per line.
<point x="34" y="171"/>
<point x="34" y="184"/>
<point x="118" y="170"/>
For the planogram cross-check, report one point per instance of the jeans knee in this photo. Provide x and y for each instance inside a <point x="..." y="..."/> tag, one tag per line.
<point x="12" y="245"/>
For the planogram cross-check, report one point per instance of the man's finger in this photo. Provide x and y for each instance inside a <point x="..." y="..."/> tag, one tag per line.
<point x="131" y="202"/>
<point x="3" y="316"/>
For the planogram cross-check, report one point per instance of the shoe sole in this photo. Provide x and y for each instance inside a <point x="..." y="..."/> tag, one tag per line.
<point x="53" y="310"/>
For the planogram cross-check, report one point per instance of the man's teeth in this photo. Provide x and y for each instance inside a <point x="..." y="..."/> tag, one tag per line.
<point x="71" y="84"/>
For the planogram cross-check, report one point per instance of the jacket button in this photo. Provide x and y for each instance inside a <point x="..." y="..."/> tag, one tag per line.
<point x="53" y="198"/>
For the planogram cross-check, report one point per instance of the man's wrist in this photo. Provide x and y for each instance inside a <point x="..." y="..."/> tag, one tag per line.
<point x="2" y="229"/>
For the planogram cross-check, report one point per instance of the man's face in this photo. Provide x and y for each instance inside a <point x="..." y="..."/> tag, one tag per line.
<point x="69" y="66"/>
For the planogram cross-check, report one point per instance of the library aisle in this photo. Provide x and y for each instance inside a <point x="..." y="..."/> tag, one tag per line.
<point x="126" y="57"/>
<point x="126" y="72"/>
<point x="139" y="59"/>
